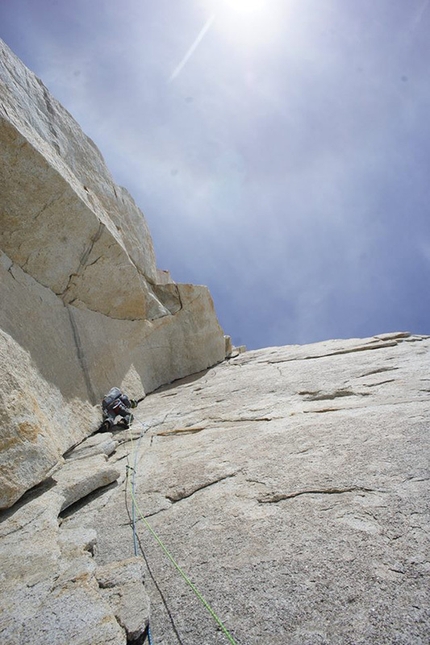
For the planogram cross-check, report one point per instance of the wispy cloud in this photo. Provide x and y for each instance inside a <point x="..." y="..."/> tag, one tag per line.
<point x="291" y="179"/>
<point x="192" y="49"/>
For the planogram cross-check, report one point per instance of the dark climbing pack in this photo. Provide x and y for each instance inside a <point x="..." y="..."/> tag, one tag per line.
<point x="113" y="394"/>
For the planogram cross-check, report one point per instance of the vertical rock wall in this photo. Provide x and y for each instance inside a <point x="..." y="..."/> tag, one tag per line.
<point x="83" y="304"/>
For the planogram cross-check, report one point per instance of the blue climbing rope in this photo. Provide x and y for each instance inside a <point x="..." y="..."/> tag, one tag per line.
<point x="133" y="506"/>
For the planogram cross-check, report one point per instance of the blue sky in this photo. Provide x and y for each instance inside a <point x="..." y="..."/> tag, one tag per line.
<point x="279" y="149"/>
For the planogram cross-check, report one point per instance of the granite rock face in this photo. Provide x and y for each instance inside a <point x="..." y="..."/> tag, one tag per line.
<point x="291" y="484"/>
<point x="52" y="590"/>
<point x="33" y="416"/>
<point x="79" y="287"/>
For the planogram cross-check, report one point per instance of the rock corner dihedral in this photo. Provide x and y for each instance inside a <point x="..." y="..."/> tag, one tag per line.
<point x="83" y="304"/>
<point x="290" y="483"/>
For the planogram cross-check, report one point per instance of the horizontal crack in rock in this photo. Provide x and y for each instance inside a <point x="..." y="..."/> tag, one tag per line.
<point x="379" y="370"/>
<point x="391" y="380"/>
<point x="349" y="408"/>
<point x="324" y="410"/>
<point x="329" y="396"/>
<point x="180" y="495"/>
<point x="180" y="431"/>
<point x="279" y="497"/>
<point x="359" y="348"/>
<point x="241" y="419"/>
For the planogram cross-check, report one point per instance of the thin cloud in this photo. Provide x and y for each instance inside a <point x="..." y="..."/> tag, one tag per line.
<point x="416" y="20"/>
<point x="192" y="49"/>
<point x="291" y="180"/>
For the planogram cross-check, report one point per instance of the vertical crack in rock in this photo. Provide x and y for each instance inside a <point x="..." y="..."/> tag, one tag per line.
<point x="81" y="356"/>
<point x="86" y="254"/>
<point x="84" y="258"/>
<point x="178" y="291"/>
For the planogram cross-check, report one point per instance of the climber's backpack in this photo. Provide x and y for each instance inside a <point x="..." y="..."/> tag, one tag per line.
<point x="113" y="394"/>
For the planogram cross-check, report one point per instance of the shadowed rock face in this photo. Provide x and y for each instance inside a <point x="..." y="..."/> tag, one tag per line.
<point x="83" y="303"/>
<point x="292" y="486"/>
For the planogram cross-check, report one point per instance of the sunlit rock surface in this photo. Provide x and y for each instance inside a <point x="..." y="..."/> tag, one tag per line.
<point x="37" y="424"/>
<point x="291" y="484"/>
<point x="80" y="291"/>
<point x="51" y="588"/>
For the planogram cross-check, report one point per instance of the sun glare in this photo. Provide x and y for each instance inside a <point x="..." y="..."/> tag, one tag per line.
<point x="248" y="22"/>
<point x="246" y="6"/>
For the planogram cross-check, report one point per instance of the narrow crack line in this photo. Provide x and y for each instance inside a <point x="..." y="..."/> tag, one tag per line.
<point x="3" y="106"/>
<point x="94" y="261"/>
<point x="360" y="348"/>
<point x="241" y="419"/>
<point x="255" y="481"/>
<point x="181" y="431"/>
<point x="61" y="294"/>
<point x="179" y="497"/>
<point x="326" y="410"/>
<point x="93" y="241"/>
<point x="379" y="371"/>
<point x="22" y="526"/>
<point x="178" y="291"/>
<point x="81" y="357"/>
<point x="83" y="260"/>
<point x="279" y="497"/>
<point x="148" y="515"/>
<point x="162" y="510"/>
<point x="348" y="408"/>
<point x="391" y="380"/>
<point x="330" y="396"/>
<point x="48" y="205"/>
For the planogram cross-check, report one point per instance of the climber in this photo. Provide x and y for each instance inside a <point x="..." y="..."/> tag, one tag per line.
<point x="115" y="404"/>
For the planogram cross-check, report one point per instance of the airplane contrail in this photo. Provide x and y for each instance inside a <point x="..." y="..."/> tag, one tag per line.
<point x="192" y="49"/>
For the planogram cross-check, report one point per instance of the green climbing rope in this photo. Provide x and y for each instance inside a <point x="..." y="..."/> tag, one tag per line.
<point x="173" y="561"/>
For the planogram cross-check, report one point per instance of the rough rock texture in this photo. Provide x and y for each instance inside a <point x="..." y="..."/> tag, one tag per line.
<point x="121" y="584"/>
<point x="79" y="286"/>
<point x="51" y="590"/>
<point x="292" y="486"/>
<point x="33" y="415"/>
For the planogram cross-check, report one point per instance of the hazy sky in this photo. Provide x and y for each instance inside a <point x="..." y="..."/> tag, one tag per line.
<point x="280" y="149"/>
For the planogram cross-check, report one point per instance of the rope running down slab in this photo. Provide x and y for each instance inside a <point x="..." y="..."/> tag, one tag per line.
<point x="135" y="507"/>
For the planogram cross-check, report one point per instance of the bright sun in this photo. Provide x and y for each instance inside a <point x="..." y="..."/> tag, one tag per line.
<point x="246" y="6"/>
<point x="252" y="23"/>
